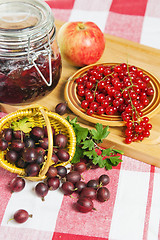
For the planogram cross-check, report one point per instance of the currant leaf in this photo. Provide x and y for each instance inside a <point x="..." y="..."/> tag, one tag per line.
<point x="115" y="159"/>
<point x="88" y="144"/>
<point x="107" y="152"/>
<point x="78" y="154"/>
<point x="98" y="160"/>
<point x="83" y="135"/>
<point x="86" y="140"/>
<point x="90" y="154"/>
<point x="72" y="121"/>
<point x="107" y="164"/>
<point x="23" y="124"/>
<point x="100" y="133"/>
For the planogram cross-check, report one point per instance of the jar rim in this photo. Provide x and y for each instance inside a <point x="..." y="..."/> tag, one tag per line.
<point x="24" y="19"/>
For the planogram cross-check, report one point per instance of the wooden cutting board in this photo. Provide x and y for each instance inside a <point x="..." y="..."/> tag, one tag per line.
<point x="117" y="50"/>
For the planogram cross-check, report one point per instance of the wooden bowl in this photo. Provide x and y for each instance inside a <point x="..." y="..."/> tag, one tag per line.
<point x="39" y="116"/>
<point x="111" y="120"/>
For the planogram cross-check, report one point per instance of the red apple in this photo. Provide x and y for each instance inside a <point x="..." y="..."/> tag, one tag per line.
<point x="81" y="43"/>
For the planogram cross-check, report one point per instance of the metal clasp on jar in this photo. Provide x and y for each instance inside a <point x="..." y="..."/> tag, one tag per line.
<point x="33" y="56"/>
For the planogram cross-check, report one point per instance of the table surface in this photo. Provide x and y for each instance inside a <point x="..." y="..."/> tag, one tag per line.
<point x="133" y="210"/>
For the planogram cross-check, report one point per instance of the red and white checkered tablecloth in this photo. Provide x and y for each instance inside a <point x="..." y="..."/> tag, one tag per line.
<point x="133" y="210"/>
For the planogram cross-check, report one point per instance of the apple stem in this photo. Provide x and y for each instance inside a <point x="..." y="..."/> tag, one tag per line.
<point x="81" y="26"/>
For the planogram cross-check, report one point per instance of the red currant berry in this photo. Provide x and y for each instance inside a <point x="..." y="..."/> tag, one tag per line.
<point x="107" y="71"/>
<point x="100" y="110"/>
<point x="140" y="73"/>
<point x="145" y="101"/>
<point x="148" y="126"/>
<point x="101" y="69"/>
<point x="104" y="103"/>
<point x="128" y="140"/>
<point x="133" y="69"/>
<point x="92" y="79"/>
<point x="116" y="102"/>
<point x="140" y="137"/>
<point x="142" y="85"/>
<point x="143" y="123"/>
<point x="98" y="76"/>
<point x="135" y="102"/>
<point x="121" y="75"/>
<point x="94" y="105"/>
<point x="121" y="100"/>
<point x="128" y="109"/>
<point x="128" y="132"/>
<point x="117" y="69"/>
<point x="110" y="110"/>
<point x="146" y="133"/>
<point x="146" y="79"/>
<point x="85" y="77"/>
<point x="90" y="111"/>
<point x="124" y="66"/>
<point x="87" y="92"/>
<point x="133" y="95"/>
<point x="136" y="89"/>
<point x="115" y="80"/>
<point x="150" y="91"/>
<point x="125" y="94"/>
<point x="129" y="124"/>
<point x="117" y="94"/>
<point x="122" y="107"/>
<point x="109" y="98"/>
<point x="118" y="86"/>
<point x="79" y="80"/>
<point x="81" y="92"/>
<point x="90" y="97"/>
<point x="146" y="119"/>
<point x="139" y="129"/>
<point x="80" y="86"/>
<point x="84" y="104"/>
<point x="134" y="138"/>
<point x="100" y="97"/>
<point x="127" y="84"/>
<point x="101" y="85"/>
<point x="125" y="116"/>
<point x="89" y="85"/>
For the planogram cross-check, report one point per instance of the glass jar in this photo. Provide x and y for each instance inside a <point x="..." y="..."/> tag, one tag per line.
<point x="30" y="61"/>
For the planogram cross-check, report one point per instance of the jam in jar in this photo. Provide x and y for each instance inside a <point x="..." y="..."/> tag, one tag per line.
<point x="30" y="61"/>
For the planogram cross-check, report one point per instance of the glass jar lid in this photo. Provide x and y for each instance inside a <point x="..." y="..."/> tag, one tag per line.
<point x="22" y="21"/>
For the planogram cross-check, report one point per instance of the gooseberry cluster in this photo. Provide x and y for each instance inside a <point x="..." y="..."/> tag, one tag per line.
<point x="29" y="150"/>
<point x="117" y="90"/>
<point x="69" y="182"/>
<point x="86" y="191"/>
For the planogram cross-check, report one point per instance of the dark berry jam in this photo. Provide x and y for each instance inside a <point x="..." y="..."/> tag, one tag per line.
<point x="20" y="82"/>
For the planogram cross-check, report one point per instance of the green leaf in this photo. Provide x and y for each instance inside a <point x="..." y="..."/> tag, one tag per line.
<point x="115" y="160"/>
<point x="82" y="134"/>
<point x="107" y="152"/>
<point x="107" y="164"/>
<point x="98" y="160"/>
<point x="90" y="154"/>
<point x="23" y="124"/>
<point x="100" y="133"/>
<point x="72" y="121"/>
<point x="88" y="144"/>
<point x="85" y="145"/>
<point x="78" y="154"/>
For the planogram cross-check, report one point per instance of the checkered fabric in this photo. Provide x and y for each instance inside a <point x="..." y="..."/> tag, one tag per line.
<point x="133" y="210"/>
<point x="136" y="20"/>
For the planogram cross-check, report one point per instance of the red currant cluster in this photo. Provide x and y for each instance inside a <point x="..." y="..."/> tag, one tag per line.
<point x="117" y="90"/>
